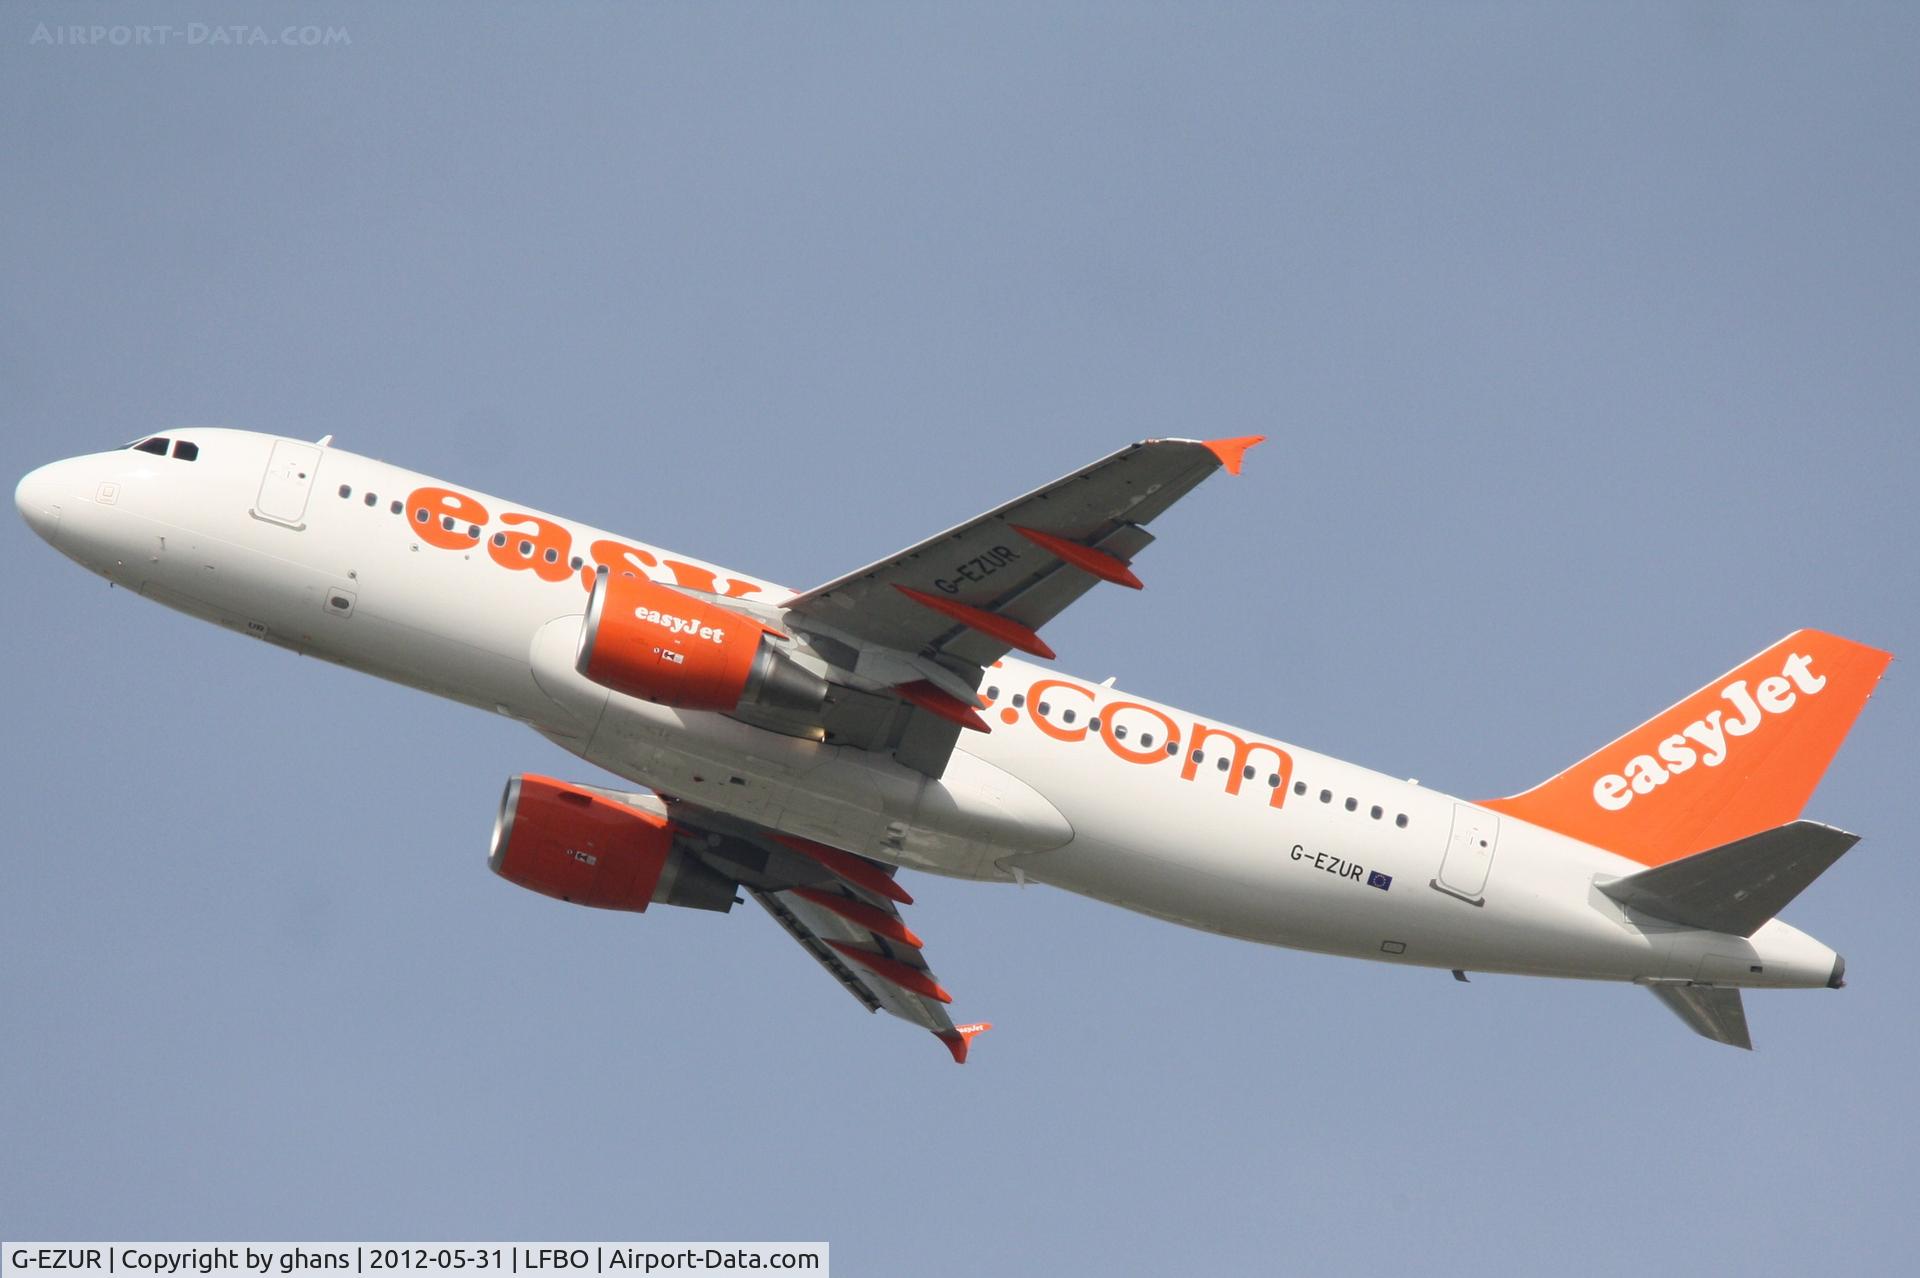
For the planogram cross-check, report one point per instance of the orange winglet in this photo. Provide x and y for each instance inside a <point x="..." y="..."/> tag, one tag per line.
<point x="960" y="1036"/>
<point x="911" y="979"/>
<point x="1086" y="558"/>
<point x="1232" y="452"/>
<point x="888" y="925"/>
<point x="941" y="702"/>
<point x="1005" y="629"/>
<point x="856" y="870"/>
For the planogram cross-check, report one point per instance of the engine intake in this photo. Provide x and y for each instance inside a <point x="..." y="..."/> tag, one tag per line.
<point x="575" y="845"/>
<point x="663" y="645"/>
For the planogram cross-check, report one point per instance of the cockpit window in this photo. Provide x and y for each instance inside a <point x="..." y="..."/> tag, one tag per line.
<point x="186" y="450"/>
<point x="157" y="446"/>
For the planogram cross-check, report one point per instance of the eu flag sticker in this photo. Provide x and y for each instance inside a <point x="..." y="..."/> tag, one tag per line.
<point x="1379" y="880"/>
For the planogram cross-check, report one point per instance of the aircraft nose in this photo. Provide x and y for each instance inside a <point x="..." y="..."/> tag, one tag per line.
<point x="38" y="497"/>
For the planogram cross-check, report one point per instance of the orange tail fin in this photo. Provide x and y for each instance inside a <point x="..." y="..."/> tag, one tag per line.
<point x="1737" y="757"/>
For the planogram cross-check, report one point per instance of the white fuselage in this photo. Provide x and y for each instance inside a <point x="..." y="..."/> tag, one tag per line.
<point x="1072" y="787"/>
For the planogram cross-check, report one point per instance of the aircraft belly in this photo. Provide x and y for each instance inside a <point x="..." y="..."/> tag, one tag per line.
<point x="845" y="797"/>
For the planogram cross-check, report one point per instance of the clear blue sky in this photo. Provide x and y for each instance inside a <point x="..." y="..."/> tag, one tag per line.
<point x="1585" y="337"/>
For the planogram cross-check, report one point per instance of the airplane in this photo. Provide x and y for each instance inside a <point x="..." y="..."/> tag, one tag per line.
<point x="802" y="747"/>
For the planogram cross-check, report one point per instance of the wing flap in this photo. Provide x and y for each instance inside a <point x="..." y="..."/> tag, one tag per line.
<point x="842" y="909"/>
<point x="846" y="949"/>
<point x="836" y="966"/>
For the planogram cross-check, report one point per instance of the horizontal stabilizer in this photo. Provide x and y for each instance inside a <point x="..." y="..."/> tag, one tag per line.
<point x="1737" y="887"/>
<point x="1713" y="1013"/>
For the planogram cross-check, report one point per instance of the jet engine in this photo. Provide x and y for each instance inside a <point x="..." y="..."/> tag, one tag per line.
<point x="575" y="845"/>
<point x="664" y="645"/>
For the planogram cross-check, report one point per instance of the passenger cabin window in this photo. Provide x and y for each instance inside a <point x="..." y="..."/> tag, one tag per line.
<point x="186" y="450"/>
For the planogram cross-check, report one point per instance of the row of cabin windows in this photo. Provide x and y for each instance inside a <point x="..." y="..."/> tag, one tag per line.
<point x="1222" y="762"/>
<point x="1353" y="805"/>
<point x="183" y="449"/>
<point x="421" y="515"/>
<point x="371" y="499"/>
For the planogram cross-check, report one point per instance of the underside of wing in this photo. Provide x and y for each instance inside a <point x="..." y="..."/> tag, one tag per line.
<point x="973" y="593"/>
<point x="914" y="632"/>
<point x="842" y="909"/>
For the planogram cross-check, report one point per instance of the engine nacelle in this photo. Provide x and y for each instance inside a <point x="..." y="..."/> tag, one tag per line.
<point x="664" y="645"/>
<point x="574" y="845"/>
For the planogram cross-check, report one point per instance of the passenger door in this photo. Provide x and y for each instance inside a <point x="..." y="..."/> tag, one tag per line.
<point x="1469" y="857"/>
<point x="288" y="483"/>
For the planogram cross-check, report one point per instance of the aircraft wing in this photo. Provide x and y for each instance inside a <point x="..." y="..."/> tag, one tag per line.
<point x="921" y="625"/>
<point x="843" y="909"/>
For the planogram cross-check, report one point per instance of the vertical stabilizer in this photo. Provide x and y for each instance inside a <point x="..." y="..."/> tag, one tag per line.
<point x="1739" y="756"/>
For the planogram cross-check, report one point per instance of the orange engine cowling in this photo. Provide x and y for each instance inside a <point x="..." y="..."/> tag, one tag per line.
<point x="572" y="844"/>
<point x="664" y="645"/>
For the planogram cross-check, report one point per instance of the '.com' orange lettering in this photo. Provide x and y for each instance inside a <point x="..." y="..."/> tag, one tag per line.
<point x="1146" y="735"/>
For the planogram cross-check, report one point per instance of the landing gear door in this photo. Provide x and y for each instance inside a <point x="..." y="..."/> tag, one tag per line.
<point x="1469" y="858"/>
<point x="288" y="483"/>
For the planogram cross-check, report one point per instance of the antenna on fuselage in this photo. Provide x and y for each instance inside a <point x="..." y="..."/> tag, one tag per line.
<point x="324" y="440"/>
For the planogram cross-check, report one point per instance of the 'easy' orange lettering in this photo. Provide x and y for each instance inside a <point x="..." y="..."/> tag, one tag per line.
<point x="429" y="510"/>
